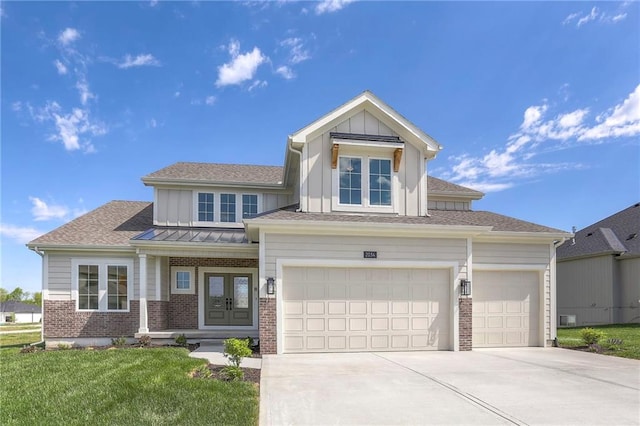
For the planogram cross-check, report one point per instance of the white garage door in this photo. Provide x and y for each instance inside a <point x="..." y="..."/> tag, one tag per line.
<point x="361" y="309"/>
<point x="505" y="309"/>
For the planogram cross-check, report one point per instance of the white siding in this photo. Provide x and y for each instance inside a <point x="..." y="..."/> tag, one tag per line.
<point x="60" y="273"/>
<point x="174" y="207"/>
<point x="504" y="253"/>
<point x="279" y="246"/>
<point x="585" y="289"/>
<point x="629" y="278"/>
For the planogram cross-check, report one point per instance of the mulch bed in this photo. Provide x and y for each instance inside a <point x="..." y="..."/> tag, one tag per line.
<point x="251" y="375"/>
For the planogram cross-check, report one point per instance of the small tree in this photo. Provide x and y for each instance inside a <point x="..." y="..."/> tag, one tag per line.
<point x="591" y="336"/>
<point x="234" y="351"/>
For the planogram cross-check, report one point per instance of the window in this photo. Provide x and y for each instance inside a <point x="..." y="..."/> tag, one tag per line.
<point x="182" y="280"/>
<point x="205" y="207"/>
<point x="102" y="284"/>
<point x="362" y="183"/>
<point x="379" y="182"/>
<point x="350" y="180"/>
<point x="227" y="207"/>
<point x="249" y="205"/>
<point x="88" y="287"/>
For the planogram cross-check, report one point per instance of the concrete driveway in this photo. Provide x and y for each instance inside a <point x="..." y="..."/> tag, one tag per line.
<point x="488" y="386"/>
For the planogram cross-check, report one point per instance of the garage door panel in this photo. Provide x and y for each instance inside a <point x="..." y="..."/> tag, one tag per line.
<point x="360" y="309"/>
<point x="505" y="308"/>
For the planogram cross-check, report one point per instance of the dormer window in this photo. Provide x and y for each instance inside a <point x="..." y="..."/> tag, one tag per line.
<point x="379" y="182"/>
<point x="351" y="180"/>
<point x="225" y="209"/>
<point x="363" y="183"/>
<point x="205" y="207"/>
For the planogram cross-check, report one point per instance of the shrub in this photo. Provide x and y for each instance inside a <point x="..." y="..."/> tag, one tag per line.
<point x="64" y="346"/>
<point x="591" y="336"/>
<point x="119" y="341"/>
<point x="28" y="349"/>
<point x="233" y="373"/>
<point x="181" y="340"/>
<point x="144" y="341"/>
<point x="201" y="371"/>
<point x="236" y="349"/>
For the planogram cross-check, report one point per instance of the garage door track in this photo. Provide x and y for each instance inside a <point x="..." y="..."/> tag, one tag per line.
<point x="488" y="386"/>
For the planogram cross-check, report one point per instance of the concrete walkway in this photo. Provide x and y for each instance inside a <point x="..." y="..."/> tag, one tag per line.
<point x="214" y="354"/>
<point x="481" y="387"/>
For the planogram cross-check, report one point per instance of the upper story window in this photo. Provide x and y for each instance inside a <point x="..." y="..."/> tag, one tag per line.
<point x="249" y="205"/>
<point x="227" y="207"/>
<point x="363" y="183"/>
<point x="350" y="180"/>
<point x="224" y="209"/>
<point x="205" y="207"/>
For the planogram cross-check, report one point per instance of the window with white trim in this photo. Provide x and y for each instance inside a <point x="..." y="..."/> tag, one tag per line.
<point x="227" y="207"/>
<point x="363" y="183"/>
<point x="102" y="284"/>
<point x="182" y="281"/>
<point x="206" y="207"/>
<point x="249" y="205"/>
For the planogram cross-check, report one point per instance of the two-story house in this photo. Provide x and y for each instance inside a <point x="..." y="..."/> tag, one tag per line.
<point x="350" y="246"/>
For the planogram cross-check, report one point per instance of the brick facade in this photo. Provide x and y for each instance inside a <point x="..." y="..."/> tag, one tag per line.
<point x="62" y="320"/>
<point x="158" y="315"/>
<point x="183" y="308"/>
<point x="465" y="323"/>
<point x="267" y="321"/>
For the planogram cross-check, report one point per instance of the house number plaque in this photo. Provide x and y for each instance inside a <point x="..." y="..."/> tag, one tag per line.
<point x="370" y="255"/>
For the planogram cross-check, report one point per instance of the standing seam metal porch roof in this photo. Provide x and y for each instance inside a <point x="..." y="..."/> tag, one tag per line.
<point x="193" y="235"/>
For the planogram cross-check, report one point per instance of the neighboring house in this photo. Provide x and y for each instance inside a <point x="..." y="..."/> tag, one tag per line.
<point x="599" y="272"/>
<point x="18" y="312"/>
<point x="349" y="246"/>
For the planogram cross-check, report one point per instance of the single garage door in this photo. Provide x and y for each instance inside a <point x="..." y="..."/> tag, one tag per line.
<point x="505" y="308"/>
<point x="365" y="309"/>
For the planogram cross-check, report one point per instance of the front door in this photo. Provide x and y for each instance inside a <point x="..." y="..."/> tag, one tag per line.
<point x="228" y="299"/>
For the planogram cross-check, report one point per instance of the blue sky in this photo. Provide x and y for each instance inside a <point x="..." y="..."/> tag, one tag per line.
<point x="537" y="104"/>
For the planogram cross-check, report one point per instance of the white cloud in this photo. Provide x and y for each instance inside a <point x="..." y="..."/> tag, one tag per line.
<point x="153" y="3"/>
<point x="504" y="167"/>
<point x="328" y="6"/>
<point x="297" y="52"/>
<point x="20" y="234"/>
<point x="176" y="94"/>
<point x="588" y="18"/>
<point x="210" y="100"/>
<point x="83" y="88"/>
<point x="16" y="106"/>
<point x="241" y="68"/>
<point x="73" y="128"/>
<point x="595" y="14"/>
<point x="258" y="84"/>
<point x="42" y="211"/>
<point x="68" y="36"/>
<point x="153" y="123"/>
<point x="286" y="72"/>
<point x="62" y="69"/>
<point x="139" y="61"/>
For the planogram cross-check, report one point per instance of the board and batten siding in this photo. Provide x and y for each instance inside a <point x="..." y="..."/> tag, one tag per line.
<point x="59" y="273"/>
<point x="317" y="171"/>
<point x="513" y="254"/>
<point x="175" y="207"/>
<point x="330" y="247"/>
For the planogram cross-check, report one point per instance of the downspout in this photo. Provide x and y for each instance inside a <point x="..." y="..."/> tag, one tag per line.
<point x="41" y="254"/>
<point x="295" y="151"/>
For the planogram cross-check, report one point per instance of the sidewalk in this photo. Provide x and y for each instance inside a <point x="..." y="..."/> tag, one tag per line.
<point x="213" y="353"/>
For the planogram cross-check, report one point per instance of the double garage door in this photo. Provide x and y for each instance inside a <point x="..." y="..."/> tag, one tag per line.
<point x="376" y="309"/>
<point x="365" y="309"/>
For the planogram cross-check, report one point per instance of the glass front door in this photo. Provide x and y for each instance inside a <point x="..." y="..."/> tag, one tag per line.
<point x="228" y="299"/>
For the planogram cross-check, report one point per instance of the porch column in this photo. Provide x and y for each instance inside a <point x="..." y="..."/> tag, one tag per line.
<point x="144" y="322"/>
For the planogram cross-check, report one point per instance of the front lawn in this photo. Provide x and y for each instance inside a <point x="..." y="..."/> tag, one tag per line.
<point x="13" y="326"/>
<point x="19" y="339"/>
<point x="629" y="334"/>
<point x="120" y="386"/>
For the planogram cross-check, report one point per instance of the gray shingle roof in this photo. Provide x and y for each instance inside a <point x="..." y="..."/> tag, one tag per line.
<point x="618" y="234"/>
<point x="112" y="224"/>
<point x="219" y="173"/>
<point x="439" y="186"/>
<point x="19" y="307"/>
<point x="436" y="217"/>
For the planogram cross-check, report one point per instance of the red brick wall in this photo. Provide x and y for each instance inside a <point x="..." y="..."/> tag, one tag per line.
<point x="158" y="315"/>
<point x="267" y="319"/>
<point x="465" y="325"/>
<point x="183" y="308"/>
<point x="62" y="320"/>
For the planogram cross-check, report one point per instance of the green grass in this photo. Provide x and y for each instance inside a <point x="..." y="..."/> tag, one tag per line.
<point x="13" y="327"/>
<point x="121" y="387"/>
<point x="19" y="339"/>
<point x="628" y="333"/>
